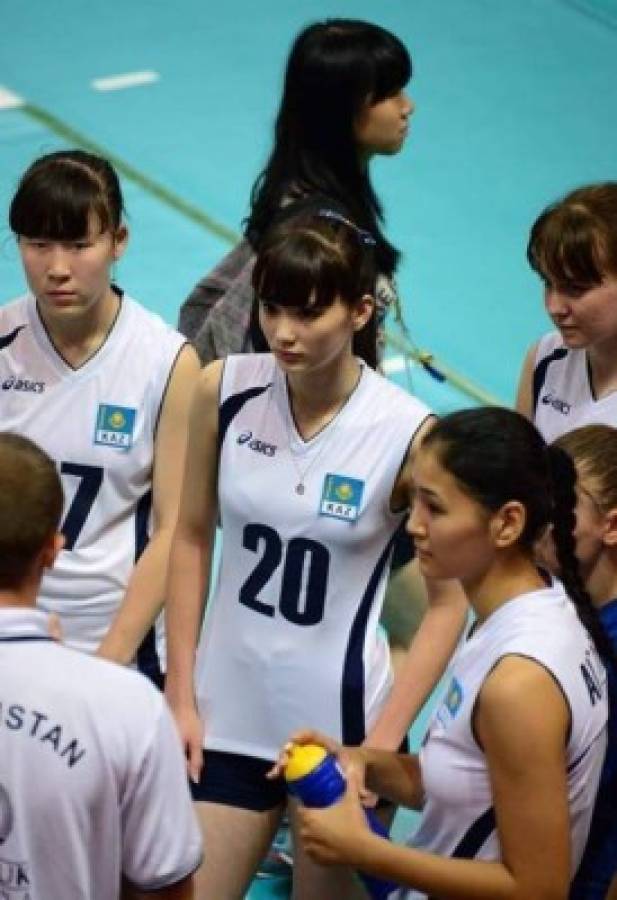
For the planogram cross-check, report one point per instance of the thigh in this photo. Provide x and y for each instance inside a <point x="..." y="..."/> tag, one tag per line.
<point x="310" y="880"/>
<point x="239" y="810"/>
<point x="235" y="841"/>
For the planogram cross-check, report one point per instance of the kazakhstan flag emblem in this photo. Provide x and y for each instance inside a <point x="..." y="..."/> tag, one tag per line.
<point x="115" y="426"/>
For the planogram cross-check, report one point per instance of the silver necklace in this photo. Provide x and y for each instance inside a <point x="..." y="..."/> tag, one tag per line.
<point x="300" y="487"/>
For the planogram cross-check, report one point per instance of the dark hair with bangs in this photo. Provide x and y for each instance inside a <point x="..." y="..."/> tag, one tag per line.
<point x="58" y="193"/>
<point x="308" y="260"/>
<point x="334" y="68"/>
<point x="497" y="455"/>
<point x="573" y="243"/>
<point x="30" y="507"/>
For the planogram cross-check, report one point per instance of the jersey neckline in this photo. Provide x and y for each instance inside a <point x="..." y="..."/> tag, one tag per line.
<point x="41" y="331"/>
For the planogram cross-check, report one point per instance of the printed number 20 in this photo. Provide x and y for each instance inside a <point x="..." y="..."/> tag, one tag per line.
<point x="299" y="553"/>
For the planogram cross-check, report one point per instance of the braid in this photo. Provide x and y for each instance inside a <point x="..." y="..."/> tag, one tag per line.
<point x="563" y="477"/>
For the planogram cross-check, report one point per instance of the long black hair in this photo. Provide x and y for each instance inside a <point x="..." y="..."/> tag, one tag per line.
<point x="310" y="259"/>
<point x="335" y="67"/>
<point x="59" y="192"/>
<point x="497" y="455"/>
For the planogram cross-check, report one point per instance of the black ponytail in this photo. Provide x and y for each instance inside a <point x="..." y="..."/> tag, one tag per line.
<point x="563" y="477"/>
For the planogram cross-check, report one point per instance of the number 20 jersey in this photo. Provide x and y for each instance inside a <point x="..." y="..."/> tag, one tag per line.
<point x="98" y="424"/>
<point x="291" y="635"/>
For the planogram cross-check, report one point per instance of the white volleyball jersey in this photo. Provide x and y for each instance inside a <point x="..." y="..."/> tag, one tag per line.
<point x="98" y="423"/>
<point x="562" y="391"/>
<point x="458" y="818"/>
<point x="291" y="631"/>
<point x="92" y="776"/>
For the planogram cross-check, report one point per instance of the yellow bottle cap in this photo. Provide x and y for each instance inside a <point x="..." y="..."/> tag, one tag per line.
<point x="302" y="759"/>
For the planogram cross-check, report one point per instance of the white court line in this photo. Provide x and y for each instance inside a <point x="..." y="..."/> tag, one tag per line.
<point x="395" y="364"/>
<point x="127" y="80"/>
<point x="9" y="100"/>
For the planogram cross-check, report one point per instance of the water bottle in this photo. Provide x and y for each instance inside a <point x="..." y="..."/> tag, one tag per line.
<point x="315" y="778"/>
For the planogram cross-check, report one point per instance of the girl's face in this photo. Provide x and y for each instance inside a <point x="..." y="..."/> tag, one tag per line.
<point x="305" y="340"/>
<point x="584" y="319"/>
<point x="451" y="531"/>
<point x="69" y="278"/>
<point x="590" y="524"/>
<point x="381" y="128"/>
<point x="588" y="531"/>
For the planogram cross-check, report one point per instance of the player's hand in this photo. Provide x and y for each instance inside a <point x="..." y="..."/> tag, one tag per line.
<point x="302" y="737"/>
<point x="336" y="835"/>
<point x="191" y="731"/>
<point x="346" y="756"/>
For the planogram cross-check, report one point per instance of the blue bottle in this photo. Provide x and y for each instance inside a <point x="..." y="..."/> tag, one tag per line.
<point x="314" y="777"/>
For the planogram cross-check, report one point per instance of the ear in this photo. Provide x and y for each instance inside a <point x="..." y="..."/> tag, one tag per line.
<point x="121" y="239"/>
<point x="508" y="523"/>
<point x="50" y="549"/>
<point x="362" y="311"/>
<point x="609" y="533"/>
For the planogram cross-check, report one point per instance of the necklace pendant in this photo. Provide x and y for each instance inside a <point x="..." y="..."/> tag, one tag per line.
<point x="299" y="488"/>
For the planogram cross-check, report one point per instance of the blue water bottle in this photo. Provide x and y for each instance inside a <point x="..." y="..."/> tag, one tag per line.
<point x="315" y="778"/>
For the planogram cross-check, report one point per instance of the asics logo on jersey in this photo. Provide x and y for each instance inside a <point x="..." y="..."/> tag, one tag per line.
<point x="255" y="444"/>
<point x="559" y="405"/>
<point x="7" y="339"/>
<point x="23" y="384"/>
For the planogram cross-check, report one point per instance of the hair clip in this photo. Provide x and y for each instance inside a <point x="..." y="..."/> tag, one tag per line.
<point x="365" y="237"/>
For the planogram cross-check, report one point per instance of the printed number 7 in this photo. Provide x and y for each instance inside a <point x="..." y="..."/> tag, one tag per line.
<point x="85" y="495"/>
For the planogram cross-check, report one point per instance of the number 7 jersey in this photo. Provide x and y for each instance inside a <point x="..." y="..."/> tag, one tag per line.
<point x="98" y="423"/>
<point x="291" y="635"/>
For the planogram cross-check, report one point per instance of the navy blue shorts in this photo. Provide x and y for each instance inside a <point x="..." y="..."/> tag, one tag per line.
<point x="236" y="780"/>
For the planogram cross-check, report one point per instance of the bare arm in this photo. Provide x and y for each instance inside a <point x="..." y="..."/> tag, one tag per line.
<point x="145" y="591"/>
<point x="425" y="662"/>
<point x="432" y="646"/>
<point x="524" y="744"/>
<point x="612" y="891"/>
<point x="524" y="396"/>
<point x="190" y="560"/>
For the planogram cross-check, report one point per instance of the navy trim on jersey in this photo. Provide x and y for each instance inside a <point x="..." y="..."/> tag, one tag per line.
<point x="7" y="339"/>
<point x="164" y="391"/>
<point x="475" y="836"/>
<point x="230" y="408"/>
<point x="582" y="756"/>
<point x="539" y="373"/>
<point x="147" y="658"/>
<point x="352" y="687"/>
<point x="120" y="295"/>
<point x="33" y="637"/>
<point x="142" y="520"/>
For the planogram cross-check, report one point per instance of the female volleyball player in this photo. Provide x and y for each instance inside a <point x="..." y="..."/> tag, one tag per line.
<point x="302" y="454"/>
<point x="508" y="775"/>
<point x="593" y="448"/>
<point x="104" y="387"/>
<point x="343" y="103"/>
<point x="569" y="377"/>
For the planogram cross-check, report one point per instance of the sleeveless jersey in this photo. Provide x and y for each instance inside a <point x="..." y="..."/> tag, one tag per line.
<point x="458" y="818"/>
<point x="98" y="423"/>
<point x="599" y="863"/>
<point x="291" y="630"/>
<point x="93" y="780"/>
<point x="562" y="393"/>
